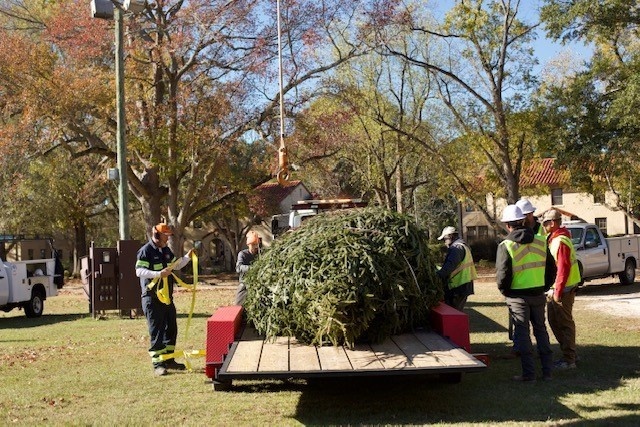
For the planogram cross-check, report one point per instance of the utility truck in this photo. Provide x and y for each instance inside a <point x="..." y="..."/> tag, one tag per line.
<point x="33" y="274"/>
<point x="304" y="209"/>
<point x="600" y="257"/>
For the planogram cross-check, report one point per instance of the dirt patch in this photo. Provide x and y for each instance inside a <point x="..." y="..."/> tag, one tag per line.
<point x="611" y="297"/>
<point x="606" y="295"/>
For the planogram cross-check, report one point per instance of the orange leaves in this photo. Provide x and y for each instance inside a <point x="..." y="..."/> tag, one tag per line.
<point x="76" y="35"/>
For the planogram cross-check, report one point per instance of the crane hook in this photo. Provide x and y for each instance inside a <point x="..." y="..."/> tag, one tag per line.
<point x="283" y="163"/>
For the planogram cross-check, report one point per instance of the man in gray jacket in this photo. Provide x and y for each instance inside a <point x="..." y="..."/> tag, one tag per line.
<point x="245" y="258"/>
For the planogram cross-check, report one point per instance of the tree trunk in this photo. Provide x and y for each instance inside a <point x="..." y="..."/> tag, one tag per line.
<point x="79" y="245"/>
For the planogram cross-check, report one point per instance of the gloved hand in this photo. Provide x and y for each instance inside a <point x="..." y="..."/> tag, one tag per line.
<point x="549" y="295"/>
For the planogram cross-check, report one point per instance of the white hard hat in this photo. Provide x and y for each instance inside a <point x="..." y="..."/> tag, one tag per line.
<point x="525" y="206"/>
<point x="446" y="231"/>
<point x="512" y="213"/>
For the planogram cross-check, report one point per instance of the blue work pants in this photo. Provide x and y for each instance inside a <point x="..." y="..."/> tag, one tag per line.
<point x="163" y="327"/>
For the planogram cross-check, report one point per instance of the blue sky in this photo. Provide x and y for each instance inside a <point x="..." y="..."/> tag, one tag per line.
<point x="546" y="50"/>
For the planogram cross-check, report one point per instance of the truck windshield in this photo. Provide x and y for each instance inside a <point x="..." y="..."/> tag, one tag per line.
<point x="576" y="235"/>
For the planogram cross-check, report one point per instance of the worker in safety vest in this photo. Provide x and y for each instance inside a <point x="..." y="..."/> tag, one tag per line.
<point x="524" y="271"/>
<point x="530" y="220"/>
<point x="563" y="292"/>
<point x="458" y="270"/>
<point x="154" y="266"/>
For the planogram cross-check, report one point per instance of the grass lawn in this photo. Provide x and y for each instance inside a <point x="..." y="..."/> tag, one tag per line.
<point x="67" y="368"/>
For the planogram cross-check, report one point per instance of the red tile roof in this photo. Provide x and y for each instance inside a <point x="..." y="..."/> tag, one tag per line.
<point x="276" y="193"/>
<point x="543" y="172"/>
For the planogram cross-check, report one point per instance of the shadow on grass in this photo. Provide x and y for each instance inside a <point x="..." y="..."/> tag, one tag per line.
<point x="485" y="397"/>
<point x="21" y="322"/>
<point x="480" y="323"/>
<point x="612" y="288"/>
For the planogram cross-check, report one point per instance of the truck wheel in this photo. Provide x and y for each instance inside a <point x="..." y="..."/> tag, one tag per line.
<point x="35" y="306"/>
<point x="628" y="275"/>
<point x="581" y="268"/>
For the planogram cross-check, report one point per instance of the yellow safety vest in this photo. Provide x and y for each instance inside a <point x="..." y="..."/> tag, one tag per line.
<point x="528" y="262"/>
<point x="574" y="273"/>
<point x="465" y="272"/>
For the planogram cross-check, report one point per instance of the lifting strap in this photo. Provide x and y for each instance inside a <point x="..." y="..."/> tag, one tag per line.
<point x="283" y="157"/>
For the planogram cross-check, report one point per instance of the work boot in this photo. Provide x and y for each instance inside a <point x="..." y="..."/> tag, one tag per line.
<point x="172" y="364"/>
<point x="159" y="371"/>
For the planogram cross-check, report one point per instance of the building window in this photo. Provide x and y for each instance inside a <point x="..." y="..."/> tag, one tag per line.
<point x="556" y="196"/>
<point x="602" y="225"/>
<point x="479" y="232"/>
<point x="471" y="233"/>
<point x="598" y="198"/>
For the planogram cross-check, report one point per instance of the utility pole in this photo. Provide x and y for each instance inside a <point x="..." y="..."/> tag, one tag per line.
<point x="121" y="143"/>
<point x="115" y="9"/>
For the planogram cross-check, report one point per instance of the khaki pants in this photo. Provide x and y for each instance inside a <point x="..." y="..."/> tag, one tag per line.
<point x="562" y="324"/>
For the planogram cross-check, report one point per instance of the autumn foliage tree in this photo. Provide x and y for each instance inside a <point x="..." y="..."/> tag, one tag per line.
<point x="478" y="59"/>
<point x="201" y="83"/>
<point x="590" y="116"/>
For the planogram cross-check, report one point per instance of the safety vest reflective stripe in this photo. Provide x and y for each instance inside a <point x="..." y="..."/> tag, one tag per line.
<point x="156" y="356"/>
<point x="518" y="268"/>
<point x="522" y="250"/>
<point x="574" y="272"/>
<point x="528" y="262"/>
<point x="465" y="272"/>
<point x="157" y="267"/>
<point x="142" y="264"/>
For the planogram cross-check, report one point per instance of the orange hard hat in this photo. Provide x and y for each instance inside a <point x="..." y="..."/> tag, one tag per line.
<point x="252" y="238"/>
<point x="164" y="229"/>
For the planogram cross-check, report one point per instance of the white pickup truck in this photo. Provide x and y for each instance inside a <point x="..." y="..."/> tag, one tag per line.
<point x="26" y="284"/>
<point x="600" y="257"/>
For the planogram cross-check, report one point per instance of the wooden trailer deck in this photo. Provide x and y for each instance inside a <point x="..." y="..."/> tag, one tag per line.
<point x="251" y="357"/>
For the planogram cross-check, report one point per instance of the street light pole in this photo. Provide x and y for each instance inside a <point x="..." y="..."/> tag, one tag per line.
<point x="114" y="9"/>
<point x="123" y="194"/>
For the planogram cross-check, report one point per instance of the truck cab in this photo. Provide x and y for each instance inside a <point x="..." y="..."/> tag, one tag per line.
<point x="600" y="257"/>
<point x="591" y="247"/>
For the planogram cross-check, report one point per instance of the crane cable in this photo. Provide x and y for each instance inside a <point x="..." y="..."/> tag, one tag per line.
<point x="283" y="158"/>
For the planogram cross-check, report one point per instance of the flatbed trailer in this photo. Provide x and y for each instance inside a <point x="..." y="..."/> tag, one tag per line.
<point x="251" y="357"/>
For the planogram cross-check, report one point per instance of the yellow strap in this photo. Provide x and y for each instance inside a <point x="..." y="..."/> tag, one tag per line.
<point x="162" y="292"/>
<point x="187" y="354"/>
